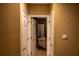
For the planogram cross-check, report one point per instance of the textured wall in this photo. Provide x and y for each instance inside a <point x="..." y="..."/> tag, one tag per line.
<point x="66" y="17"/>
<point x="9" y="29"/>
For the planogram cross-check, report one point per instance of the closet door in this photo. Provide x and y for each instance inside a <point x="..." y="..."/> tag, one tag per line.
<point x="32" y="36"/>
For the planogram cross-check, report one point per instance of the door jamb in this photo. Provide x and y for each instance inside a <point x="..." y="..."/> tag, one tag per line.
<point x="48" y="17"/>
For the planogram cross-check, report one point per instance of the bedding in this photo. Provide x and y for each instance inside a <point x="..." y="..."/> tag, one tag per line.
<point x="42" y="42"/>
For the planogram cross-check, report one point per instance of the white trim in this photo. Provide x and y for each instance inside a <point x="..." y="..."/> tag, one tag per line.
<point x="29" y="34"/>
<point x="47" y="16"/>
<point x="52" y="20"/>
<point x="47" y="37"/>
<point x="52" y="17"/>
<point x="53" y="29"/>
<point x="38" y="15"/>
<point x="23" y="11"/>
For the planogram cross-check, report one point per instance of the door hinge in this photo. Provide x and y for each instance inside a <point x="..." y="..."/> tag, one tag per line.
<point x="31" y="37"/>
<point x="31" y="53"/>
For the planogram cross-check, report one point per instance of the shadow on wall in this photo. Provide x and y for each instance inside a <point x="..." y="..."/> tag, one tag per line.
<point x="9" y="29"/>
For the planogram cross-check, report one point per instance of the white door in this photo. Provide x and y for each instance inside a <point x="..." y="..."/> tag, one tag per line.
<point x="32" y="36"/>
<point x="50" y="36"/>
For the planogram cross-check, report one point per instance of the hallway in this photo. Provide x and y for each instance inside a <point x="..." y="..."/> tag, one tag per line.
<point x="17" y="34"/>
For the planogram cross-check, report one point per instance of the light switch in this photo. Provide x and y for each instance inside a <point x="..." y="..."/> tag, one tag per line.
<point x="64" y="36"/>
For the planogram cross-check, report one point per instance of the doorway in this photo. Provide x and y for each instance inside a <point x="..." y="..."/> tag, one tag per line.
<point x="28" y="29"/>
<point x="40" y="30"/>
<point x="38" y="34"/>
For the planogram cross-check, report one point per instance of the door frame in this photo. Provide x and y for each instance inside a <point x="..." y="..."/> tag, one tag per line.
<point x="48" y="17"/>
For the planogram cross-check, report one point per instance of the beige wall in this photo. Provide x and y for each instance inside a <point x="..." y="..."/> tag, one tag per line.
<point x="38" y="9"/>
<point x="9" y="29"/>
<point x="66" y="17"/>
